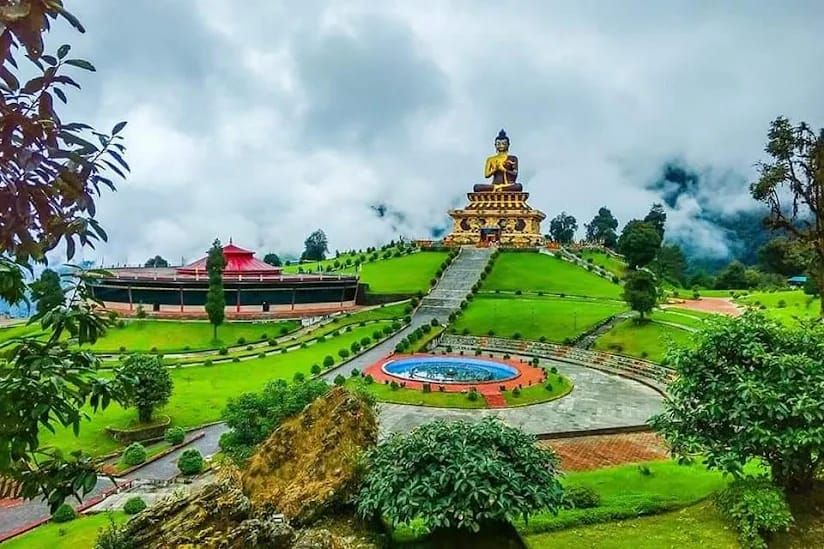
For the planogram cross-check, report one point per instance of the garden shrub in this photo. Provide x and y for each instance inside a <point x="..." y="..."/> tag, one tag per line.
<point x="365" y="340"/>
<point x="64" y="513"/>
<point x="516" y="335"/>
<point x="241" y="340"/>
<point x="207" y="362"/>
<point x="328" y="361"/>
<point x="516" y="392"/>
<point x="542" y="339"/>
<point x="554" y="370"/>
<point x="134" y="505"/>
<point x="190" y="462"/>
<point x="581" y="497"/>
<point x="343" y="353"/>
<point x="249" y="347"/>
<point x="355" y="372"/>
<point x="223" y="351"/>
<point x="272" y="342"/>
<point x="394" y="386"/>
<point x="356" y="347"/>
<point x="316" y="369"/>
<point x="518" y="292"/>
<point x="236" y="359"/>
<point x="174" y="435"/>
<point x="135" y="454"/>
<point x="757" y="508"/>
<point x="122" y="349"/>
<point x="299" y="377"/>
<point x="368" y="379"/>
<point x="491" y="333"/>
<point x="548" y="387"/>
<point x="472" y="395"/>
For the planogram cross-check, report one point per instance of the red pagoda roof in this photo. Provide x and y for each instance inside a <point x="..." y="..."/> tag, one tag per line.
<point x="239" y="262"/>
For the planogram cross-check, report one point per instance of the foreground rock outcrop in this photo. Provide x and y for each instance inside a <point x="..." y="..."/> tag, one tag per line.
<point x="307" y="468"/>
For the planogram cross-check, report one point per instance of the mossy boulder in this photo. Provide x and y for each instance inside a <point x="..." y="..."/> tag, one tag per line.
<point x="309" y="464"/>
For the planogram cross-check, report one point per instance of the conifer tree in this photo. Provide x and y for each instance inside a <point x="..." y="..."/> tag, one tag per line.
<point x="215" y="298"/>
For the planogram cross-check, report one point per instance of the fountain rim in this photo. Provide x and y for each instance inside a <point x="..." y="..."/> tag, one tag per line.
<point x="506" y="364"/>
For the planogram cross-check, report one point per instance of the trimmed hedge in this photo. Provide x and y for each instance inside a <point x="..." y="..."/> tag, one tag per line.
<point x="134" y="505"/>
<point x="190" y="462"/>
<point x="64" y="513"/>
<point x="135" y="454"/>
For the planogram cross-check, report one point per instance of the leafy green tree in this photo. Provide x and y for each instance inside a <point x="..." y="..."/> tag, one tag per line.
<point x="641" y="291"/>
<point x="639" y="243"/>
<point x="671" y="264"/>
<point x="602" y="228"/>
<point x="47" y="291"/>
<point x="156" y="261"/>
<point x="562" y="228"/>
<point x="733" y="277"/>
<point x="215" y="298"/>
<point x="657" y="217"/>
<point x="147" y="383"/>
<point x="315" y="247"/>
<point x="272" y="259"/>
<point x="253" y="416"/>
<point x="460" y="474"/>
<point x="783" y="256"/>
<point x="749" y="388"/>
<point x="52" y="172"/>
<point x="791" y="184"/>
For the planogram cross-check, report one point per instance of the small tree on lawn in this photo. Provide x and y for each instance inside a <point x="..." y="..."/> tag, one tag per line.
<point x="147" y="383"/>
<point x="47" y="291"/>
<point x="749" y="388"/>
<point x="215" y="298"/>
<point x="639" y="242"/>
<point x="641" y="291"/>
<point x="438" y="471"/>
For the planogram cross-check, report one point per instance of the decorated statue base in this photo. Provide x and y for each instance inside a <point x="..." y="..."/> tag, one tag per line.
<point x="496" y="218"/>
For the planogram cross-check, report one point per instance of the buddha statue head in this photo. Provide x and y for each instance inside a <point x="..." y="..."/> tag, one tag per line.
<point x="502" y="142"/>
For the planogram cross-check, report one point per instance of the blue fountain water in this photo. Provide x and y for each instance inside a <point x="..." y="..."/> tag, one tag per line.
<point x="449" y="369"/>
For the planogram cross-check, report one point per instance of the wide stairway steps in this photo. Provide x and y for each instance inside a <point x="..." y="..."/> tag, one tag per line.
<point x="456" y="282"/>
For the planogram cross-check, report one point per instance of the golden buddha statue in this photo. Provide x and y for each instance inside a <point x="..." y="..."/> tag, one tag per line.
<point x="502" y="167"/>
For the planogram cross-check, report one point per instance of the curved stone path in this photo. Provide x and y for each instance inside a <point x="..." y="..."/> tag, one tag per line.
<point x="598" y="401"/>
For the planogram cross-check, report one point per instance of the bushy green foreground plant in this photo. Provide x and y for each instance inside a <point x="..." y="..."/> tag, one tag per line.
<point x="134" y="505"/>
<point x="190" y="462"/>
<point x="749" y="388"/>
<point x="253" y="416"/>
<point x="135" y="454"/>
<point x="64" y="513"/>
<point x="175" y="435"/>
<point x="459" y="475"/>
<point x="756" y="508"/>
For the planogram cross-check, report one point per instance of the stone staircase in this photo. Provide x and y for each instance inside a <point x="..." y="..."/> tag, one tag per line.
<point x="456" y="282"/>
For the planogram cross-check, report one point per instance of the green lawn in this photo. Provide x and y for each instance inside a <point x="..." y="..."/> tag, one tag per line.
<point x="79" y="533"/>
<point x="385" y="393"/>
<point x="561" y="386"/>
<point x="648" y="340"/>
<point x="681" y="317"/>
<point x="625" y="492"/>
<point x="402" y="275"/>
<point x="533" y="317"/>
<point x="606" y="261"/>
<point x="329" y="264"/>
<point x="533" y="272"/>
<point x="696" y="526"/>
<point x="18" y="330"/>
<point x="200" y="392"/>
<point x="796" y="305"/>
<point x="177" y="335"/>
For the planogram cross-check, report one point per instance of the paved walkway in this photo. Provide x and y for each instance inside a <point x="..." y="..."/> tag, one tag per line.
<point x="593" y="452"/>
<point x="599" y="400"/>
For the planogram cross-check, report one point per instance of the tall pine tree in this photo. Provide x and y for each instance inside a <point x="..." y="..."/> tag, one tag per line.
<point x="215" y="298"/>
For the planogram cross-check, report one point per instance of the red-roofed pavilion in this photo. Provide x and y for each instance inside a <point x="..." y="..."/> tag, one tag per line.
<point x="239" y="262"/>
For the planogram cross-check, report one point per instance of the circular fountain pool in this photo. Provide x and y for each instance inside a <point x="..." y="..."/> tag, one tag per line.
<point x="440" y="369"/>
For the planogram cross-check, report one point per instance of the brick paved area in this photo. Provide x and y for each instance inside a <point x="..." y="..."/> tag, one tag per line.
<point x="594" y="452"/>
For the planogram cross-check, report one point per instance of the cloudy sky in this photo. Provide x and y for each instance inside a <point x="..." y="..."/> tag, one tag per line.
<point x="264" y="120"/>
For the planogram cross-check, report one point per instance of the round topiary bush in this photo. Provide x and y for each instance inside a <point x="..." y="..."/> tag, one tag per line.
<point x="134" y="505"/>
<point x="368" y="379"/>
<point x="581" y="497"/>
<point x="241" y="340"/>
<point x="64" y="513"/>
<point x="190" y="462"/>
<point x="316" y="369"/>
<point x="328" y="361"/>
<point x="515" y="476"/>
<point x="355" y="372"/>
<point x="472" y="395"/>
<point x="135" y="454"/>
<point x="299" y="377"/>
<point x="223" y="351"/>
<point x="175" y="435"/>
<point x="339" y="379"/>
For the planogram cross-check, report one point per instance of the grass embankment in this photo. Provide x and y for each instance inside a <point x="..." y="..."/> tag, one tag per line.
<point x="647" y="340"/>
<point x="700" y="525"/>
<point x="534" y="272"/>
<point x="385" y="393"/>
<point x="409" y="274"/>
<point x="605" y="261"/>
<point x="554" y="318"/>
<point x="329" y="265"/>
<point x="200" y="392"/>
<point x="785" y="306"/>
<point x="560" y="387"/>
<point x="187" y="335"/>
<point x="79" y="533"/>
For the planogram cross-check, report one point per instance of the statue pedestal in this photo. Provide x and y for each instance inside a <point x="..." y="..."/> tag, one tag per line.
<point x="502" y="218"/>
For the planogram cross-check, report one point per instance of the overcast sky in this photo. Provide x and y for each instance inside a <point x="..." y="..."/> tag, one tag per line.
<point x="263" y="120"/>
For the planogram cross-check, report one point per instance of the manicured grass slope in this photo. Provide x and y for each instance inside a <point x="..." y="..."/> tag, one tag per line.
<point x="648" y="340"/>
<point x="201" y="392"/>
<point x="534" y="272"/>
<point x="175" y="335"/>
<point x="796" y="305"/>
<point x="79" y="533"/>
<point x="606" y="261"/>
<point x="696" y="526"/>
<point x="402" y="275"/>
<point x="532" y="316"/>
